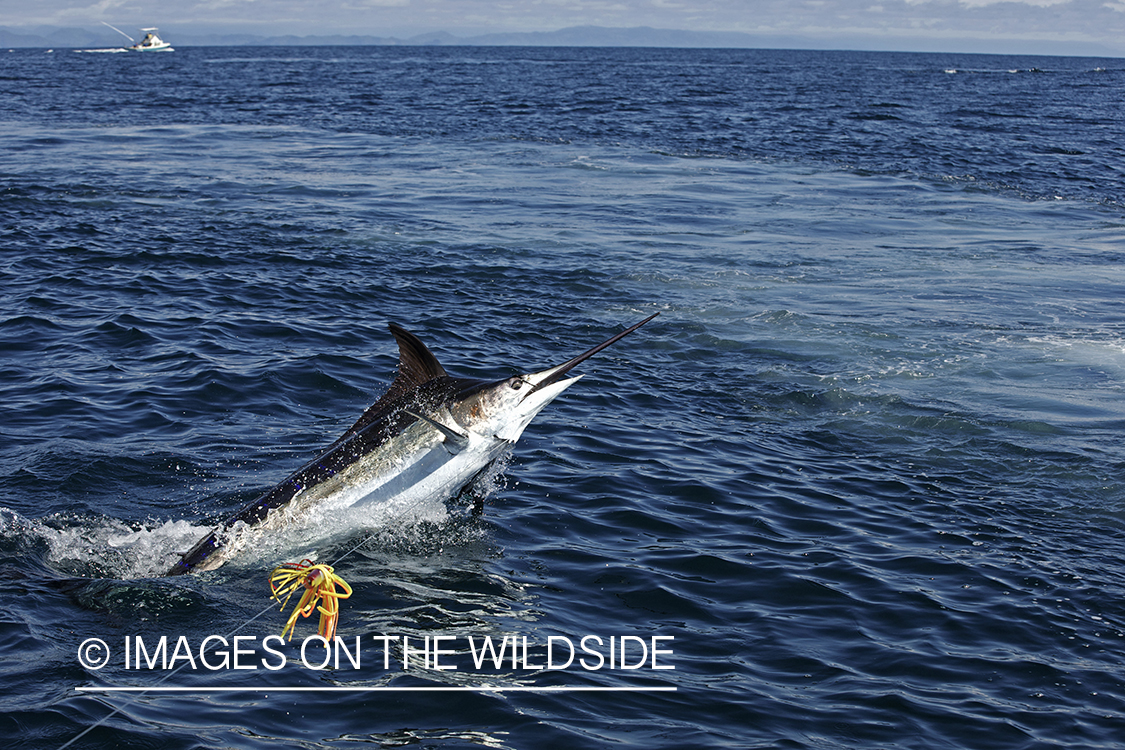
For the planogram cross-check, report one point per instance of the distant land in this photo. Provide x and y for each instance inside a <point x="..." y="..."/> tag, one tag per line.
<point x="576" y="36"/>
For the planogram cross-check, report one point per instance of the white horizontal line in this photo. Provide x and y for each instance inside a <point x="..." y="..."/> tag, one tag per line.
<point x="481" y="689"/>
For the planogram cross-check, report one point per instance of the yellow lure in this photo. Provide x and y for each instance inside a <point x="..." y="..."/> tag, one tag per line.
<point x="320" y="582"/>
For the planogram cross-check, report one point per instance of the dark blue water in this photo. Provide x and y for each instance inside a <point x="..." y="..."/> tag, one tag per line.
<point x="862" y="477"/>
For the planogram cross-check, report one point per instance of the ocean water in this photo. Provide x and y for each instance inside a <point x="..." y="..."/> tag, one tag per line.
<point x="859" y="485"/>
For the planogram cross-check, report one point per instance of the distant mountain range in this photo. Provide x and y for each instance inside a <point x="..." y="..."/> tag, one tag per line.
<point x="576" y="36"/>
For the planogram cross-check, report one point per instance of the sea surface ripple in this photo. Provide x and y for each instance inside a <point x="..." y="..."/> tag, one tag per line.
<point x="865" y="469"/>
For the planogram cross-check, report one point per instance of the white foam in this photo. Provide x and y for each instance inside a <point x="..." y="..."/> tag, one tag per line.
<point x="100" y="546"/>
<point x="1106" y="354"/>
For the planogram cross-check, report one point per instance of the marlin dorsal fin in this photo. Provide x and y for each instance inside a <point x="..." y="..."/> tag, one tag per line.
<point x="416" y="366"/>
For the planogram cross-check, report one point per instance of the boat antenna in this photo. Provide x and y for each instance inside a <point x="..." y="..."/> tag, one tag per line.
<point x="119" y="31"/>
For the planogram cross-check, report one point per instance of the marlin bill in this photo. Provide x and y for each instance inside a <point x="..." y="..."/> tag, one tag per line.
<point x="428" y="436"/>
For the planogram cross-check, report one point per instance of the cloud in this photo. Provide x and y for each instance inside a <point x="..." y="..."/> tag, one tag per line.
<point x="1035" y="3"/>
<point x="985" y="3"/>
<point x="368" y="4"/>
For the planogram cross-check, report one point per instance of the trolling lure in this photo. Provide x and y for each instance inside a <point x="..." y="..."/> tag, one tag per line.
<point x="320" y="582"/>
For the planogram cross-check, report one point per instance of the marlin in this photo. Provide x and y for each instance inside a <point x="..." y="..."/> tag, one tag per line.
<point x="429" y="435"/>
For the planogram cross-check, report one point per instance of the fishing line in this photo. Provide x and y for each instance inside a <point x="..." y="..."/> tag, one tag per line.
<point x="394" y="521"/>
<point x="159" y="682"/>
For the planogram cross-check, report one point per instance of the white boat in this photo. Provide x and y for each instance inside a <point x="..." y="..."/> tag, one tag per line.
<point x="151" y="43"/>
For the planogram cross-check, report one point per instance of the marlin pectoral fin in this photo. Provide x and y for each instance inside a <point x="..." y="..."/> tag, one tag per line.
<point x="455" y="441"/>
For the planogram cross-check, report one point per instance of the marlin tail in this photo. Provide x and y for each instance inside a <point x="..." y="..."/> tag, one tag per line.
<point x="429" y="435"/>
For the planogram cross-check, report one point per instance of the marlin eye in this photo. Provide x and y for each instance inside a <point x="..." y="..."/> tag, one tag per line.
<point x="515" y="384"/>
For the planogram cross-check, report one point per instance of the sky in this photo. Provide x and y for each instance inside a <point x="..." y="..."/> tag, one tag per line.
<point x="1074" y="21"/>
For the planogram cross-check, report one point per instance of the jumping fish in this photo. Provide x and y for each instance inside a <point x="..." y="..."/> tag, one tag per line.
<point x="430" y="434"/>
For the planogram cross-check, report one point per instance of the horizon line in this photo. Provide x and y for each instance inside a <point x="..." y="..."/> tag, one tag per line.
<point x="628" y="36"/>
